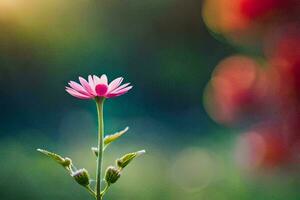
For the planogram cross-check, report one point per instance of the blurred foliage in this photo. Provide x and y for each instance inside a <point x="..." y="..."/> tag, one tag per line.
<point x="202" y="171"/>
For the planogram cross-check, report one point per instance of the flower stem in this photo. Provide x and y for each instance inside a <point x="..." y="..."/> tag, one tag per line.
<point x="105" y="189"/>
<point x="99" y="103"/>
<point x="90" y="191"/>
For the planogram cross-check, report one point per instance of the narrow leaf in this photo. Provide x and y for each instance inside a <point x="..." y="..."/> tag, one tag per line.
<point x="110" y="138"/>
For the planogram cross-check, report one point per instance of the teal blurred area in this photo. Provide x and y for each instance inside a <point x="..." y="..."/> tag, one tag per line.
<point x="46" y="44"/>
<point x="164" y="49"/>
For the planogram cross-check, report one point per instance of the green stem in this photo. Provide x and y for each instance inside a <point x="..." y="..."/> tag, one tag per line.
<point x="99" y="103"/>
<point x="105" y="190"/>
<point x="90" y="191"/>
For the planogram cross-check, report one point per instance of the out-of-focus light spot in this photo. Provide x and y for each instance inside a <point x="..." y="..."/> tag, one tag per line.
<point x="283" y="42"/>
<point x="282" y="49"/>
<point x="222" y="16"/>
<point x="243" y="92"/>
<point x="265" y="147"/>
<point x="247" y="21"/>
<point x="250" y="150"/>
<point x="237" y="90"/>
<point x="257" y="8"/>
<point x="194" y="169"/>
<point x="225" y="17"/>
<point x="8" y="8"/>
<point x="8" y="4"/>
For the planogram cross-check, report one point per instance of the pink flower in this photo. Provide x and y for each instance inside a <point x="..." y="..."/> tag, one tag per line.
<point x="97" y="87"/>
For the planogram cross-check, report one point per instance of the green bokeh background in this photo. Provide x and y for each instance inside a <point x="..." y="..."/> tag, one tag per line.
<point x="164" y="49"/>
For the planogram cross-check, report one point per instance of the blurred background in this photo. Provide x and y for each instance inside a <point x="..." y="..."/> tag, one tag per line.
<point x="216" y="98"/>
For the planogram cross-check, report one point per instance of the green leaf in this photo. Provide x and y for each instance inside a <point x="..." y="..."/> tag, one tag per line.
<point x="110" y="138"/>
<point x="65" y="162"/>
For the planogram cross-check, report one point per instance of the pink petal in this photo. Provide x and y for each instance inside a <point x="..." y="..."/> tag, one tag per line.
<point x="78" y="88"/>
<point x="119" y="93"/>
<point x="77" y="94"/>
<point x="114" y="84"/>
<point x="86" y="86"/>
<point x="111" y="95"/>
<point x="120" y="88"/>
<point x="92" y="84"/>
<point x="104" y="80"/>
<point x="96" y="80"/>
<point x="101" y="89"/>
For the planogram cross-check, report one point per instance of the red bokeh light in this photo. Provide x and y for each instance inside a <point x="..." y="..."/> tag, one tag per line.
<point x="241" y="90"/>
<point x="237" y="91"/>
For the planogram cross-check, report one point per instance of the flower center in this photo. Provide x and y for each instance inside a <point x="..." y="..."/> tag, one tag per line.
<point x="101" y="89"/>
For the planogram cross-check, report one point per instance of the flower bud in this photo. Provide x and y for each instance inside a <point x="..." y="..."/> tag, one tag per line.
<point x="67" y="162"/>
<point x="82" y="177"/>
<point x="95" y="151"/>
<point x="126" y="159"/>
<point x="112" y="175"/>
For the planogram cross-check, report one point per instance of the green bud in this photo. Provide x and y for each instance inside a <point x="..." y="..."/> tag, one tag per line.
<point x="82" y="177"/>
<point x="95" y="151"/>
<point x="65" y="162"/>
<point x="126" y="159"/>
<point x="112" y="175"/>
